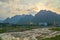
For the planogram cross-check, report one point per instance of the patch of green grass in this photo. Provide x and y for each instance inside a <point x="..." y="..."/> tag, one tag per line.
<point x="0" y="38"/>
<point x="55" y="29"/>
<point x="39" y="38"/>
<point x="52" y="38"/>
<point x="16" y="29"/>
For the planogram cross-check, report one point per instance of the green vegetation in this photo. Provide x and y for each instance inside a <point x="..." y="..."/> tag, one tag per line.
<point x="55" y="29"/>
<point x="52" y="38"/>
<point x="39" y="38"/>
<point x="15" y="28"/>
<point x="5" y="27"/>
<point x="0" y="38"/>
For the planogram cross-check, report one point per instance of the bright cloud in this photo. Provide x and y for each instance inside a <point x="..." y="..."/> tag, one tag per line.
<point x="9" y="8"/>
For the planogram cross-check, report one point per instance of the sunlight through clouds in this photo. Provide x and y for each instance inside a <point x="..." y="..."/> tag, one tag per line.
<point x="9" y="8"/>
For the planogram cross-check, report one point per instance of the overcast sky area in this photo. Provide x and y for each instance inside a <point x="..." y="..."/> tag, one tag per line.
<point x="9" y="8"/>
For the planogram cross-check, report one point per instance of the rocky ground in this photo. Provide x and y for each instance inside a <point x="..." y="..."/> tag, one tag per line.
<point x="30" y="34"/>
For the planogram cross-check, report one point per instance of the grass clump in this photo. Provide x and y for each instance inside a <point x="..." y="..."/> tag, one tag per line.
<point x="52" y="38"/>
<point x="55" y="29"/>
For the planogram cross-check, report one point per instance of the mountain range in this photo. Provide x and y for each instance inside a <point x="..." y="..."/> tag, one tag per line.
<point x="41" y="17"/>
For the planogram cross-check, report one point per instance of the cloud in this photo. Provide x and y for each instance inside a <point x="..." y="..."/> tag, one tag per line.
<point x="4" y="0"/>
<point x="9" y="8"/>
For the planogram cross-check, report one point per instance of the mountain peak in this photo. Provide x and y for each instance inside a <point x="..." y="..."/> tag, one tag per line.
<point x="42" y="16"/>
<point x="46" y="12"/>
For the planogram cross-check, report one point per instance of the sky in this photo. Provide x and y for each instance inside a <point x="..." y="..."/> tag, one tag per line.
<point x="9" y="8"/>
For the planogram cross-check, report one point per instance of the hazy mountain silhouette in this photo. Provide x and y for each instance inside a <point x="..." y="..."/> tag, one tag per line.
<point x="14" y="19"/>
<point x="6" y="20"/>
<point x="1" y="21"/>
<point x="25" y="20"/>
<point x="46" y="16"/>
<point x="41" y="16"/>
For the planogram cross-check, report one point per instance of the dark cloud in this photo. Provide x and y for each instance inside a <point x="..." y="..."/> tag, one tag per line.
<point x="4" y="0"/>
